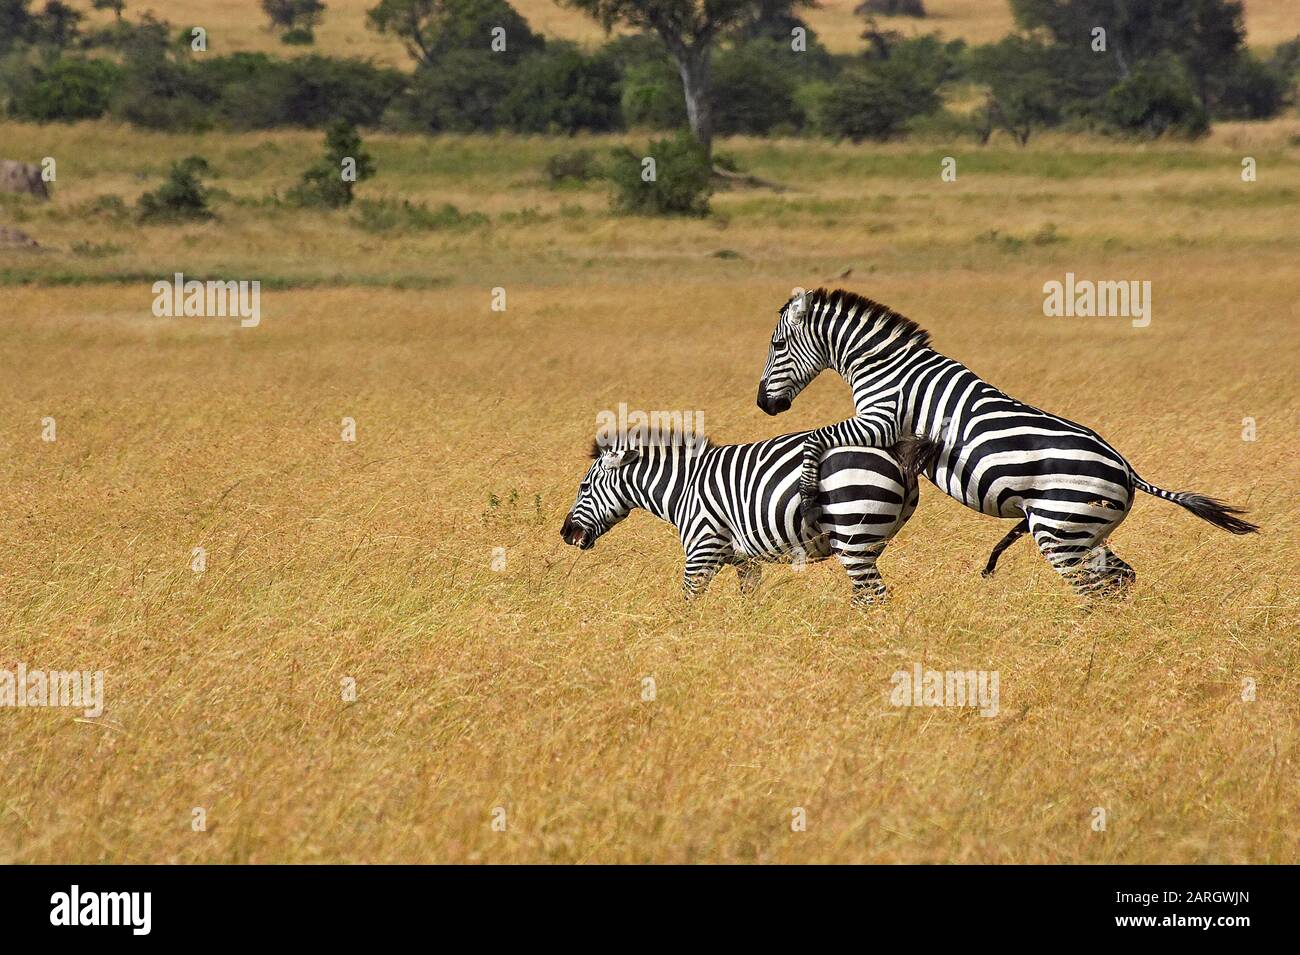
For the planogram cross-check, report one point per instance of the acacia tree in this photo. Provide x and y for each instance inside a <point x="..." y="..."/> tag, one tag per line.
<point x="689" y="29"/>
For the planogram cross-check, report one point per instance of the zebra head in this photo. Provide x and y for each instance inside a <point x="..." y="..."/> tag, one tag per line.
<point x="794" y="358"/>
<point x="831" y="329"/>
<point x="603" y="498"/>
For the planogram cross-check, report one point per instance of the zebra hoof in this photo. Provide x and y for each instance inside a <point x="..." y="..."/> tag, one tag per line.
<point x="812" y="518"/>
<point x="867" y="599"/>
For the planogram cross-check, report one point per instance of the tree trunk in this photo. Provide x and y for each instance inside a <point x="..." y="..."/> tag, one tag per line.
<point x="697" y="83"/>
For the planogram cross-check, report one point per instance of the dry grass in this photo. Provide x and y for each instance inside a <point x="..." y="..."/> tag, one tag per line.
<point x="240" y="24"/>
<point x="522" y="688"/>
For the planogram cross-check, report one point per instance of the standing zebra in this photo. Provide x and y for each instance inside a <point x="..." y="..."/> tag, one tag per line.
<point x="998" y="456"/>
<point x="739" y="504"/>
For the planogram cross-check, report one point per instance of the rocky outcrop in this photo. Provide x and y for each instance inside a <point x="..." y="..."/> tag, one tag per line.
<point x="23" y="178"/>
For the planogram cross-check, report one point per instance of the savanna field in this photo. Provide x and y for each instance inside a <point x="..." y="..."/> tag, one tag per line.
<point x="497" y="668"/>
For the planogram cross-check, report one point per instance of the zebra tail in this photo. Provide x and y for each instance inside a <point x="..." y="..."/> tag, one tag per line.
<point x="916" y="454"/>
<point x="1207" y="508"/>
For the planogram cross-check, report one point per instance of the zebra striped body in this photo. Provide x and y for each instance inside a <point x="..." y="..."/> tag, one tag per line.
<point x="997" y="455"/>
<point x="740" y="504"/>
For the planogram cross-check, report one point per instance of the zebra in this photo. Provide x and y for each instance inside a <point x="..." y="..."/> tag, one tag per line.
<point x="739" y="504"/>
<point x="998" y="456"/>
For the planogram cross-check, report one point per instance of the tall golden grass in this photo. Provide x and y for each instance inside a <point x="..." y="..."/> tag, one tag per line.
<point x="521" y="687"/>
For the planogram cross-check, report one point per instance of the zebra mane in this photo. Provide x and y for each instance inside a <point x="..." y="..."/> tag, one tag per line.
<point x="699" y="444"/>
<point x="881" y="316"/>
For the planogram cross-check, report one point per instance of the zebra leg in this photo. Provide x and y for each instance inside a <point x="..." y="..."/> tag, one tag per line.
<point x="868" y="588"/>
<point x="1109" y="574"/>
<point x="750" y="573"/>
<point x="810" y="479"/>
<point x="1078" y="555"/>
<point x="1013" y="535"/>
<point x="858" y="553"/>
<point x="702" y="565"/>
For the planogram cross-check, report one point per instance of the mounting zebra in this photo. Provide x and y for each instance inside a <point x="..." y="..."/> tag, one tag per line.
<point x="739" y="504"/>
<point x="998" y="456"/>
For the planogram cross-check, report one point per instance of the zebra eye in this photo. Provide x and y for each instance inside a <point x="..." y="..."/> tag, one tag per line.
<point x="778" y="342"/>
<point x="584" y="486"/>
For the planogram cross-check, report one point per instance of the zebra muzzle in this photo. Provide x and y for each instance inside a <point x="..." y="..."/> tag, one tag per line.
<point x="771" y="406"/>
<point x="574" y="534"/>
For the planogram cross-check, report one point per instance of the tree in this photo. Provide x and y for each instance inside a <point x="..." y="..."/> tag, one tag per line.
<point x="1023" y="87"/>
<point x="117" y="6"/>
<point x="874" y="100"/>
<point x="433" y="28"/>
<point x="182" y="196"/>
<point x="290" y="15"/>
<point x="1204" y="34"/>
<point x="329" y="182"/>
<point x="16" y="23"/>
<point x="689" y="29"/>
<point x="58" y="24"/>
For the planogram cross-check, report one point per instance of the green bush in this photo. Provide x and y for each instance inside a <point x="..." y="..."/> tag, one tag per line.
<point x="681" y="184"/>
<point x="562" y="90"/>
<point x="181" y="197"/>
<point x="753" y="91"/>
<point x="874" y="102"/>
<point x="1251" y="89"/>
<point x="67" y="89"/>
<point x="876" y="99"/>
<point x="463" y="94"/>
<point x="298" y="36"/>
<point x="1021" y="74"/>
<point x="1157" y="98"/>
<point x="324" y="183"/>
<point x="386" y="215"/>
<point x="890" y="8"/>
<point x="256" y="91"/>
<point x="157" y="92"/>
<point x="577" y="166"/>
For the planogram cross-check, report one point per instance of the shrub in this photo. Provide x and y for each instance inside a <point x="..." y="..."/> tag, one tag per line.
<point x="330" y="181"/>
<point x="256" y="91"/>
<point x="561" y="90"/>
<point x="577" y="166"/>
<point x="1021" y="76"/>
<point x="1157" y="98"/>
<point x="298" y="36"/>
<point x="681" y="184"/>
<point x="159" y="93"/>
<point x="874" y="101"/>
<point x="463" y="94"/>
<point x="108" y="207"/>
<point x="1251" y="89"/>
<point x="753" y="92"/>
<point x="181" y="197"/>
<point x="890" y="8"/>
<point x="68" y="89"/>
<point x="386" y="215"/>
<point x="293" y="15"/>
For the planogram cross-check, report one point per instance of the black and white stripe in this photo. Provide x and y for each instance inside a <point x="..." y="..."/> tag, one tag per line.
<point x="740" y="504"/>
<point x="997" y="455"/>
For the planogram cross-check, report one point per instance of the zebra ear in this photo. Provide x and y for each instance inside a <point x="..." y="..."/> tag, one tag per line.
<point x="799" y="309"/>
<point x="616" y="459"/>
